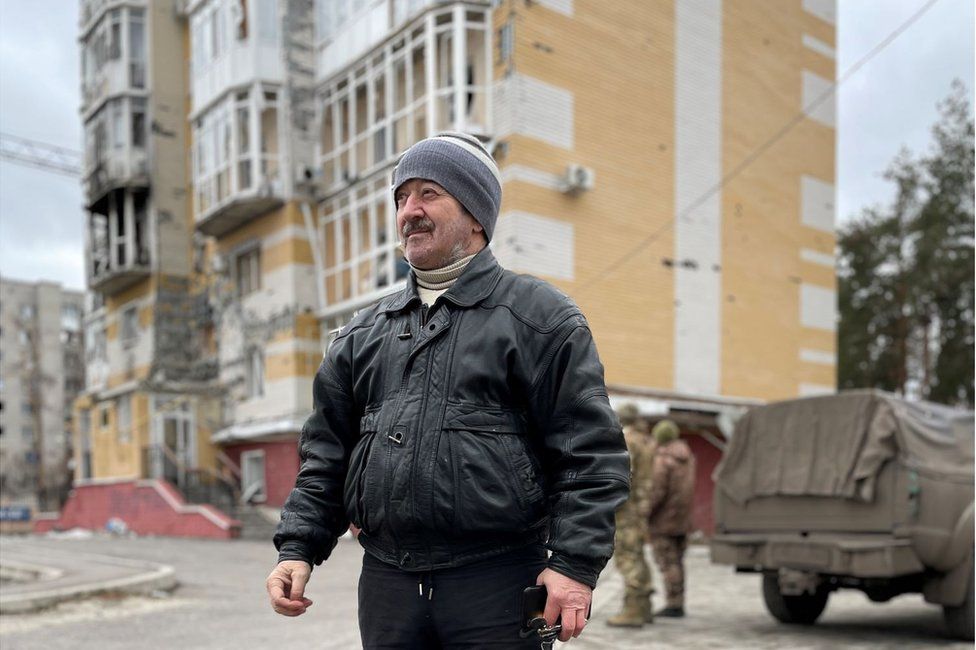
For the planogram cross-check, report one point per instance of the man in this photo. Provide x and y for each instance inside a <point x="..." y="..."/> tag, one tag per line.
<point x="460" y="424"/>
<point x="631" y="530"/>
<point x="672" y="498"/>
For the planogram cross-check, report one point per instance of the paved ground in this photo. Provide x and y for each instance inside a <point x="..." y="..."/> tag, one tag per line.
<point x="66" y="573"/>
<point x="221" y="603"/>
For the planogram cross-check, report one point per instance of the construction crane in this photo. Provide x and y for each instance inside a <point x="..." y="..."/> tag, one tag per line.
<point x="41" y="155"/>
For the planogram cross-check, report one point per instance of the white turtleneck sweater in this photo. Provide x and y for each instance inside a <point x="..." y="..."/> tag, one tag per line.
<point x="433" y="283"/>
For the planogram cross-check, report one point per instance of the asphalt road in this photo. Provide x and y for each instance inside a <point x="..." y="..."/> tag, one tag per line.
<point x="221" y="603"/>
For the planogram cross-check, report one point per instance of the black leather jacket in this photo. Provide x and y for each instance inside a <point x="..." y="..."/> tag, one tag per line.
<point x="455" y="434"/>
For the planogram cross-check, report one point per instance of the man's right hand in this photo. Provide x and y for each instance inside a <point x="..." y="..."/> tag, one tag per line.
<point x="286" y="587"/>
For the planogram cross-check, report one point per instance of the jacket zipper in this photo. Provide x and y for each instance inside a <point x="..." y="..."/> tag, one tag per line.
<point x="396" y="409"/>
<point x="415" y="470"/>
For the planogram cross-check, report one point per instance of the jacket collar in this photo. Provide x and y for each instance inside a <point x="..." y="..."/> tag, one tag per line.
<point x="475" y="283"/>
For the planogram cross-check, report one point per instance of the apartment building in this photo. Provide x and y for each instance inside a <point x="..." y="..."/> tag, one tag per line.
<point x="150" y="357"/>
<point x="41" y="371"/>
<point x="646" y="173"/>
<point x="669" y="165"/>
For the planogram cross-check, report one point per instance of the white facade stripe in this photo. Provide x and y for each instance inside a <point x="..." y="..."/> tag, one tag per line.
<point x="818" y="307"/>
<point x="537" y="177"/>
<point x="564" y="7"/>
<point x="825" y="110"/>
<point x="532" y="243"/>
<point x="813" y="390"/>
<point x="819" y="46"/>
<point x="527" y="106"/>
<point x="698" y="169"/>
<point x="285" y="234"/>
<point x="817" y="203"/>
<point x="816" y="257"/>
<point x="825" y="10"/>
<point x="818" y="356"/>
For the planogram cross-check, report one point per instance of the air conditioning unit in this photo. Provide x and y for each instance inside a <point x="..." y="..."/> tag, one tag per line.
<point x="577" y="178"/>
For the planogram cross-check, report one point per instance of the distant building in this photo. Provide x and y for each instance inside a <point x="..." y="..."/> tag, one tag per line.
<point x="150" y="357"/>
<point x="647" y="173"/>
<point x="41" y="371"/>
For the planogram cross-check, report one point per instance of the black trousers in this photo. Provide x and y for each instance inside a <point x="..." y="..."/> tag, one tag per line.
<point x="474" y="606"/>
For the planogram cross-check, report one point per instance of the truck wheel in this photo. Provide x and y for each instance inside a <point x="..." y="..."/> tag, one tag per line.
<point x="797" y="610"/>
<point x="959" y="619"/>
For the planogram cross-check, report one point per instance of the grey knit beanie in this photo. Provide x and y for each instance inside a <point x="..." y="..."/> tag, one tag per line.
<point x="460" y="164"/>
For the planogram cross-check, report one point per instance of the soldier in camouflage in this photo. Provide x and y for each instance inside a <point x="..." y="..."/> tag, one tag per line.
<point x="672" y="498"/>
<point x="632" y="519"/>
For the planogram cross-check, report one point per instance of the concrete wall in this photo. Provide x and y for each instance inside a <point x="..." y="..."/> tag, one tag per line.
<point x="146" y="507"/>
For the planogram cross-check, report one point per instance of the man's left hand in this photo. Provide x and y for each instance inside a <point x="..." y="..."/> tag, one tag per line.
<point x="568" y="601"/>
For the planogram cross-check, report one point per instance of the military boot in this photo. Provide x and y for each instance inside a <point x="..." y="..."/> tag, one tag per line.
<point x="632" y="614"/>
<point x="646" y="610"/>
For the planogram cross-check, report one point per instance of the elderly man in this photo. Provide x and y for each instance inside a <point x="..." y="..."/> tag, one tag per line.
<point x="463" y="425"/>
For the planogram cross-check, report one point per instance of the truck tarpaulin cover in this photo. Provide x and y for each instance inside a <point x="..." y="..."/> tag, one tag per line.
<point x="834" y="445"/>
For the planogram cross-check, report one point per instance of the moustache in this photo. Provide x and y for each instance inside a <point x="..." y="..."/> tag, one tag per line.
<point x="420" y="225"/>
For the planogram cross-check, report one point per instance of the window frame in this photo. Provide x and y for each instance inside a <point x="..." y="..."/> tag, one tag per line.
<point x="129" y="326"/>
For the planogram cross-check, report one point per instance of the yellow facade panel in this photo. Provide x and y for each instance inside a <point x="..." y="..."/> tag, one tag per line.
<point x="286" y="253"/>
<point x="291" y="364"/>
<point x="306" y="326"/>
<point x="623" y="128"/>
<point x="137" y="373"/>
<point x="145" y="316"/>
<point x="816" y="240"/>
<point x="262" y="226"/>
<point x="810" y="24"/>
<point x="820" y="374"/>
<point x="818" y="64"/>
<point x="814" y="339"/>
<point x="817" y="274"/>
<point x="762" y="63"/>
<point x="114" y="302"/>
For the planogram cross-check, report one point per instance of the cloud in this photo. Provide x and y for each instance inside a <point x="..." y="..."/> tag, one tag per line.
<point x="890" y="103"/>
<point x="41" y="213"/>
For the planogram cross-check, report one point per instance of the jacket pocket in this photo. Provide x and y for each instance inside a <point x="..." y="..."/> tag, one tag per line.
<point x="485" y="480"/>
<point x="362" y="464"/>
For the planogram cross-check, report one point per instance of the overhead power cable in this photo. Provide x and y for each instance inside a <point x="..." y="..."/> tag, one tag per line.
<point x="756" y="153"/>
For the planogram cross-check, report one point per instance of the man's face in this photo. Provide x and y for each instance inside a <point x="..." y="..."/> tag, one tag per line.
<point x="434" y="228"/>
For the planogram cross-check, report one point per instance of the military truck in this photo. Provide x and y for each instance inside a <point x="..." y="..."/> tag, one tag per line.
<point x="859" y="490"/>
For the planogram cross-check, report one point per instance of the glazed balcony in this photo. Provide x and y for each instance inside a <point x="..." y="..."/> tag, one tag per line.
<point x="113" y="53"/>
<point x="236" y="169"/>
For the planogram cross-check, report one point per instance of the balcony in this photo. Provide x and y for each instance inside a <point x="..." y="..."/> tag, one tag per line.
<point x="232" y="44"/>
<point x="115" y="150"/>
<point x="236" y="174"/>
<point x="113" y="53"/>
<point x="237" y="211"/>
<point x="117" y="170"/>
<point x="119" y="255"/>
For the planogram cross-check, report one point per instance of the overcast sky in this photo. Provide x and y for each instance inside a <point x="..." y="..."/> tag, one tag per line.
<point x="889" y="103"/>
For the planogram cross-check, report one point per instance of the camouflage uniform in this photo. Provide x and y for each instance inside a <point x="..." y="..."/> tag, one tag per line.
<point x="631" y="523"/>
<point x="672" y="500"/>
